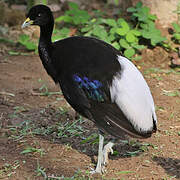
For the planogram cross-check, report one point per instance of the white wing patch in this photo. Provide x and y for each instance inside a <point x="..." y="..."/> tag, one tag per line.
<point x="131" y="93"/>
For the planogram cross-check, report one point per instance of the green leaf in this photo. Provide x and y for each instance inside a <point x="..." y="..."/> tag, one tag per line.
<point x="144" y="26"/>
<point x="123" y="43"/>
<point x="60" y="34"/>
<point x="137" y="46"/>
<point x="25" y="41"/>
<point x="13" y="53"/>
<point x="89" y="33"/>
<point x="65" y="18"/>
<point x="130" y="37"/>
<point x="81" y="18"/>
<point x="44" y="2"/>
<point x="157" y="39"/>
<point x="5" y="40"/>
<point x="113" y="30"/>
<point x="171" y="93"/>
<point x="137" y="58"/>
<point x="152" y="33"/>
<point x="136" y="32"/>
<point x="73" y="5"/>
<point x="152" y="17"/>
<point x="23" y="38"/>
<point x="100" y="32"/>
<point x="31" y="46"/>
<point x="176" y="36"/>
<point x="116" y="45"/>
<point x="28" y="150"/>
<point x="74" y="15"/>
<point x="111" y="37"/>
<point x="86" y="29"/>
<point x="129" y="52"/>
<point x="124" y="25"/>
<point x="110" y="22"/>
<point x="121" y="31"/>
<point x="146" y="34"/>
<point x="139" y="4"/>
<point x="89" y="138"/>
<point x="176" y="27"/>
<point x="131" y="9"/>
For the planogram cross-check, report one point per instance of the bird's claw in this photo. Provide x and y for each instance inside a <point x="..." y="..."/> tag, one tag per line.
<point x="107" y="149"/>
<point x="101" y="166"/>
<point x="99" y="170"/>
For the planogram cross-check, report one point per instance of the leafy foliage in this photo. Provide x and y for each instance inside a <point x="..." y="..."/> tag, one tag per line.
<point x="74" y="15"/>
<point x="60" y="33"/>
<point x="145" y="23"/>
<point x="176" y="34"/>
<point x="116" y="32"/>
<point x="25" y="41"/>
<point x="141" y="13"/>
<point x="121" y="34"/>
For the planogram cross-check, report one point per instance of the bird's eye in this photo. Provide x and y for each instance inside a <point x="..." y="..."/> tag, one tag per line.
<point x="39" y="15"/>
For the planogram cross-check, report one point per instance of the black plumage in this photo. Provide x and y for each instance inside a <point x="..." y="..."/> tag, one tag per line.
<point x="85" y="68"/>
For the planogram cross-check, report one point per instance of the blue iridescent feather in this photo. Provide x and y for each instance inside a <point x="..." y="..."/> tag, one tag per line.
<point x="91" y="87"/>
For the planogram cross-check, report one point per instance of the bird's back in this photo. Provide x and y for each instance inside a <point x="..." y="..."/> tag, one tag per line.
<point x="85" y="54"/>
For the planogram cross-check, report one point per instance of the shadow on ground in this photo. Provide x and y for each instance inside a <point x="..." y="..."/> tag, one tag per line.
<point x="170" y="165"/>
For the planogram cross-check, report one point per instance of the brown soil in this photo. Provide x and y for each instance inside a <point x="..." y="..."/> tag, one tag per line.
<point x="30" y="120"/>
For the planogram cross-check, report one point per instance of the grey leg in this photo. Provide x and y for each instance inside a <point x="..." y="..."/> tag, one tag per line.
<point x="100" y="155"/>
<point x="107" y="149"/>
<point x="103" y="155"/>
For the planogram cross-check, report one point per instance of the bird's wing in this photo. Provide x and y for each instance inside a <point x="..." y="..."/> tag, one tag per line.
<point x="92" y="99"/>
<point x="122" y="103"/>
<point x="131" y="93"/>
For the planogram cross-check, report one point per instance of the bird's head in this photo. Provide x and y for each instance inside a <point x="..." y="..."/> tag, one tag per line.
<point x="38" y="15"/>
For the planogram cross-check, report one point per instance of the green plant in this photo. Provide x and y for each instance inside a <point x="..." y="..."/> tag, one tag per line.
<point x="25" y="41"/>
<point x="145" y="23"/>
<point x="118" y="32"/>
<point x="171" y="93"/>
<point x="7" y="169"/>
<point x="7" y="41"/>
<point x="129" y="38"/>
<point x="70" y="129"/>
<point x="41" y="171"/>
<point x="44" y="90"/>
<point x="176" y="33"/>
<point x="92" y="139"/>
<point x="74" y="15"/>
<point x="60" y="33"/>
<point x="33" y="150"/>
<point x="123" y="35"/>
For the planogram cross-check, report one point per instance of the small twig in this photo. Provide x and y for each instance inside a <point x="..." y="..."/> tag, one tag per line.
<point x="6" y="93"/>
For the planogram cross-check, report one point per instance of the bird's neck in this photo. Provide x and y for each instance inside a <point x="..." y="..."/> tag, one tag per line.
<point x="45" y="34"/>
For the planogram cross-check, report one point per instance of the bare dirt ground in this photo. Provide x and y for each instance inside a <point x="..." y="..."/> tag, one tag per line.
<point x="41" y="138"/>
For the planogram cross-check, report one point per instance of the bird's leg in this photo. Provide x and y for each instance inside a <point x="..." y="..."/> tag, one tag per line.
<point x="107" y="149"/>
<point x="100" y="155"/>
<point x="103" y="155"/>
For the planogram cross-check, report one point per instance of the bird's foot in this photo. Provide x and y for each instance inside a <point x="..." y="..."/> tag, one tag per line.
<point x="99" y="169"/>
<point x="107" y="149"/>
<point x="102" y="163"/>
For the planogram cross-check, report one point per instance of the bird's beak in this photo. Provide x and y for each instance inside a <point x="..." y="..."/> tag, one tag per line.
<point x="27" y="22"/>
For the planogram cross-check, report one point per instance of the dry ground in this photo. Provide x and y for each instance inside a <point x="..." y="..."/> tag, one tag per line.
<point x="41" y="137"/>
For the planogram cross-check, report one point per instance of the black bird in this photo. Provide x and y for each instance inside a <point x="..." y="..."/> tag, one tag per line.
<point x="97" y="82"/>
